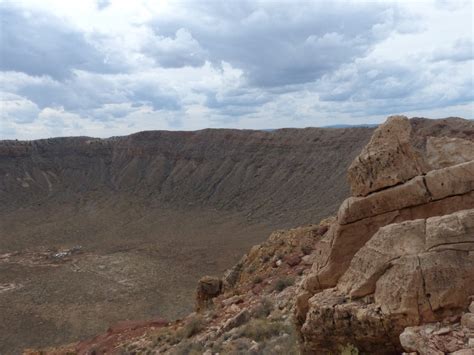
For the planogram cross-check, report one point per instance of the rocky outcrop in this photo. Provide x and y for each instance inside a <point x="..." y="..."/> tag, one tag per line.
<point x="393" y="246"/>
<point x="395" y="155"/>
<point x="389" y="159"/>
<point x="438" y="338"/>
<point x="208" y="288"/>
<point x="409" y="273"/>
<point x="400" y="253"/>
<point x="359" y="219"/>
<point x="442" y="152"/>
<point x="437" y="192"/>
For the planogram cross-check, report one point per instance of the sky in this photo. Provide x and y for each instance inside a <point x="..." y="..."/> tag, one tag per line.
<point x="104" y="68"/>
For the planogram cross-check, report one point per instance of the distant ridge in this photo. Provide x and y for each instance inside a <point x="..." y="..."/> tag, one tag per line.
<point x="363" y="125"/>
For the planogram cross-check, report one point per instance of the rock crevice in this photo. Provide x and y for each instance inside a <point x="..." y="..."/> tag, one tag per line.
<point x="401" y="252"/>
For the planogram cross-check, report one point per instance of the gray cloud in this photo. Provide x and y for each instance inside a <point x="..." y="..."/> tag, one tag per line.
<point x="102" y="4"/>
<point x="239" y="101"/>
<point x="282" y="44"/>
<point x="86" y="93"/>
<point x="368" y="87"/>
<point x="37" y="43"/>
<point x="368" y="80"/>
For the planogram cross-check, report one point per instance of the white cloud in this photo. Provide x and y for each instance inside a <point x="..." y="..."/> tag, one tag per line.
<point x="17" y="109"/>
<point x="180" y="51"/>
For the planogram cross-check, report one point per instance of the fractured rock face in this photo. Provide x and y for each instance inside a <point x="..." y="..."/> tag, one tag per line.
<point x="389" y="159"/>
<point x="442" y="152"/>
<point x="421" y="238"/>
<point x="412" y="193"/>
<point x="454" y="180"/>
<point x="408" y="273"/>
<point x="394" y="156"/>
<point x="401" y="252"/>
<point x="346" y="240"/>
<point x="439" y="192"/>
<point x="440" y="338"/>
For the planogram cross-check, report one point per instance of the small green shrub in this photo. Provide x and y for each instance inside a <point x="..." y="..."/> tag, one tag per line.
<point x="261" y="329"/>
<point x="194" y="326"/>
<point x="306" y="249"/>
<point x="188" y="347"/>
<point x="263" y="309"/>
<point x="349" y="349"/>
<point x="283" y="283"/>
<point x="287" y="344"/>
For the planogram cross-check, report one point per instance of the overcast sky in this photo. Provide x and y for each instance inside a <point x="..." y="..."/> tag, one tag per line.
<point x="113" y="67"/>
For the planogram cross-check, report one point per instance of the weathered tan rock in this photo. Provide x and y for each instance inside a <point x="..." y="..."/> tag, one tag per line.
<point x="467" y="320"/>
<point x="411" y="340"/>
<point x="389" y="159"/>
<point x="334" y="321"/>
<point x="394" y="156"/>
<point x="405" y="298"/>
<point x="394" y="241"/>
<point x="231" y="276"/>
<point x="453" y="180"/>
<point x="439" y="192"/>
<point x="208" y="288"/>
<point x="407" y="274"/>
<point x="463" y="352"/>
<point x="442" y="152"/>
<point x="385" y="247"/>
<point x="343" y="241"/>
<point x="236" y="321"/>
<point x="436" y="185"/>
<point x="302" y="307"/>
<point x="401" y="252"/>
<point x="436" y="338"/>
<point x="409" y="194"/>
<point x="453" y="230"/>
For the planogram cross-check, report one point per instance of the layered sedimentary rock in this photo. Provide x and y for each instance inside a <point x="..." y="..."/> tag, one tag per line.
<point x="400" y="150"/>
<point x="401" y="252"/>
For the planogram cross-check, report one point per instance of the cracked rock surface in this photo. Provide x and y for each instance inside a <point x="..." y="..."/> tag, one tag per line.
<point x="401" y="252"/>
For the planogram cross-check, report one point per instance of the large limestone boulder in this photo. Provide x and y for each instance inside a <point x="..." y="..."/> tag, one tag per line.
<point x="401" y="252"/>
<point x="453" y="180"/>
<point x="208" y="288"/>
<point x="407" y="274"/>
<point x="442" y="152"/>
<point x="396" y="153"/>
<point x="421" y="197"/>
<point x="389" y="159"/>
